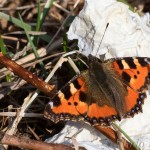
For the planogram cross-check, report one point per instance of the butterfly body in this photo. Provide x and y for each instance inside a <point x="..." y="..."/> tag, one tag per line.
<point x="107" y="91"/>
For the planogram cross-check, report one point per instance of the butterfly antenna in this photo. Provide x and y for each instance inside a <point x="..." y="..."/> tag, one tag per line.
<point x="102" y="38"/>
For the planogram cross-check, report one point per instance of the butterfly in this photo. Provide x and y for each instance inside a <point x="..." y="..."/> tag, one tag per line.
<point x="107" y="91"/>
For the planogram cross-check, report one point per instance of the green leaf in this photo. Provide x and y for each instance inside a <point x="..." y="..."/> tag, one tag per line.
<point x="65" y="43"/>
<point x="127" y="136"/>
<point x="15" y="21"/>
<point x="2" y="47"/>
<point x="126" y="2"/>
<point x="32" y="45"/>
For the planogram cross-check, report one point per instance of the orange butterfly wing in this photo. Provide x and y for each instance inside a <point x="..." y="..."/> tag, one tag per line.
<point x="135" y="71"/>
<point x="75" y="108"/>
<point x="136" y="74"/>
<point x="70" y="103"/>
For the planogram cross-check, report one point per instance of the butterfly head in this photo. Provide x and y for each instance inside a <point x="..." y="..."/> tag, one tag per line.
<point x="93" y="59"/>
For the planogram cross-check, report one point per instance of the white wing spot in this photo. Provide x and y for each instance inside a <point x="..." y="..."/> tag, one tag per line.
<point x="72" y="89"/>
<point x="51" y="104"/>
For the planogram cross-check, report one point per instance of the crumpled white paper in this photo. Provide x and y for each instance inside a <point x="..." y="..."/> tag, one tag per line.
<point x="128" y="34"/>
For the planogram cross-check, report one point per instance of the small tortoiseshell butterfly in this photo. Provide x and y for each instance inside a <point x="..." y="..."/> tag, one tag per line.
<point x="107" y="91"/>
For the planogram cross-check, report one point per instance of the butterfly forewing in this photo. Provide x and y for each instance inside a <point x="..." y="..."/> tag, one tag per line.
<point x="134" y="72"/>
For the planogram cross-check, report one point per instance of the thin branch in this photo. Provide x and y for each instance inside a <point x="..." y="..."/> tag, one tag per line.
<point x="31" y="144"/>
<point x="26" y="75"/>
<point x="29" y="115"/>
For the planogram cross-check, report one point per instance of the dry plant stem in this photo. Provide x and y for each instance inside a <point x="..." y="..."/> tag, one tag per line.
<point x="14" y="39"/>
<point x="75" y="5"/>
<point x="13" y="128"/>
<point x="42" y="52"/>
<point x="35" y="135"/>
<point x="13" y="114"/>
<point x="60" y="7"/>
<point x="26" y="75"/>
<point x="31" y="144"/>
<point x="21" y="7"/>
<point x="112" y="135"/>
<point x="119" y="141"/>
<point x="73" y="65"/>
<point x="29" y="100"/>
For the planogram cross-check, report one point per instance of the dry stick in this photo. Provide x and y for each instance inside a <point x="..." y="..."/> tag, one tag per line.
<point x="31" y="144"/>
<point x="42" y="52"/>
<point x="60" y="7"/>
<point x="75" y="5"/>
<point x="26" y="75"/>
<point x="13" y="38"/>
<point x="13" y="114"/>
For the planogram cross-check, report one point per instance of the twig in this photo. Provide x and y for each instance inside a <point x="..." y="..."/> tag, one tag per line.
<point x="31" y="144"/>
<point x="12" y="114"/>
<point x="75" y="5"/>
<point x="14" y="39"/>
<point x="26" y="75"/>
<point x="42" y="52"/>
<point x="60" y="7"/>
